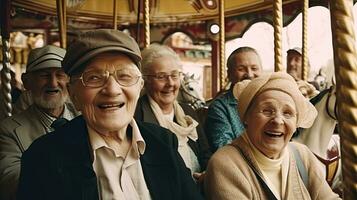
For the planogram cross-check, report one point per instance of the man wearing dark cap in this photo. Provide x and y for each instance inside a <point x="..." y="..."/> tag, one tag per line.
<point x="46" y="82"/>
<point x="105" y="153"/>
<point x="294" y="63"/>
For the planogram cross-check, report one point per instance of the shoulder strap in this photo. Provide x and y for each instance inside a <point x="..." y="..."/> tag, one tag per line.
<point x="270" y="194"/>
<point x="300" y="165"/>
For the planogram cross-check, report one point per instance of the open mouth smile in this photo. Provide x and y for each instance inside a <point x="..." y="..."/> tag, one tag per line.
<point x="273" y="134"/>
<point x="111" y="106"/>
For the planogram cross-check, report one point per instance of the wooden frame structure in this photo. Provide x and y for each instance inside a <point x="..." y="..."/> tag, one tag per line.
<point x="345" y="57"/>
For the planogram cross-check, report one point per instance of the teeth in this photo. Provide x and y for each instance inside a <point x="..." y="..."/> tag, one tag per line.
<point x="274" y="134"/>
<point x="111" y="105"/>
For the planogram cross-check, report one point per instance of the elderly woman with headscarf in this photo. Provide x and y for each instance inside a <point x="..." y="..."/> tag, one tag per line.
<point x="162" y="71"/>
<point x="262" y="163"/>
<point x="105" y="153"/>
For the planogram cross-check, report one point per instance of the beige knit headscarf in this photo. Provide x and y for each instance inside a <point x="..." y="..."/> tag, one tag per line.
<point x="247" y="90"/>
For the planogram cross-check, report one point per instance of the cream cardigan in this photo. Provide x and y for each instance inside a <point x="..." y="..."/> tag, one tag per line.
<point x="229" y="177"/>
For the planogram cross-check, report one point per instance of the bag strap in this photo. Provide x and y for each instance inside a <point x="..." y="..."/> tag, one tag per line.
<point x="300" y="165"/>
<point x="270" y="193"/>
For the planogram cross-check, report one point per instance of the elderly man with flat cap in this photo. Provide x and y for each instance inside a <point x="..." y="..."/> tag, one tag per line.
<point x="105" y="153"/>
<point x="46" y="82"/>
<point x="294" y="63"/>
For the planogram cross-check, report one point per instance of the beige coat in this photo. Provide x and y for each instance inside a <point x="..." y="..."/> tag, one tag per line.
<point x="229" y="176"/>
<point x="16" y="135"/>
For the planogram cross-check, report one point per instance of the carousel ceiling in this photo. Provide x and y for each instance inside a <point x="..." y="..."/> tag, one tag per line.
<point x="161" y="11"/>
<point x="191" y="17"/>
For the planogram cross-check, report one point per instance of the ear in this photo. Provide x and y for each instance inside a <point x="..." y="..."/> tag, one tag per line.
<point x="25" y="81"/>
<point x="142" y="82"/>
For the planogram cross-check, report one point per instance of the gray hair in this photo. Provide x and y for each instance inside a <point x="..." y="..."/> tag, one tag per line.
<point x="156" y="51"/>
<point x="231" y="59"/>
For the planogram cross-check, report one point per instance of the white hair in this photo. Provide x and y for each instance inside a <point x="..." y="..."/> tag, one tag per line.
<point x="156" y="51"/>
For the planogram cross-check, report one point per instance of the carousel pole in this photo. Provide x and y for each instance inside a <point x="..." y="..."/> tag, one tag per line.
<point x="62" y="21"/>
<point x="222" y="47"/>
<point x="115" y="14"/>
<point x="5" y="72"/>
<point x="305" y="60"/>
<point x="138" y="22"/>
<point x="147" y="23"/>
<point x="278" y="24"/>
<point x="345" y="58"/>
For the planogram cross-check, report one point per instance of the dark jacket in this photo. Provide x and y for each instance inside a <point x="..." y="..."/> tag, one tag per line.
<point x="200" y="147"/>
<point x="58" y="166"/>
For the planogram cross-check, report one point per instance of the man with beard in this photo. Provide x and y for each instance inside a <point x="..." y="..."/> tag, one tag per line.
<point x="222" y="124"/>
<point x="46" y="82"/>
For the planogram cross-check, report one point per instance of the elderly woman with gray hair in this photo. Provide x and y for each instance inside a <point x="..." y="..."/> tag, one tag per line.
<point x="262" y="163"/>
<point x="162" y="71"/>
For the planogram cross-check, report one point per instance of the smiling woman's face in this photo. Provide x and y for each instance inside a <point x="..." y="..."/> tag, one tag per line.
<point x="271" y="122"/>
<point x="111" y="107"/>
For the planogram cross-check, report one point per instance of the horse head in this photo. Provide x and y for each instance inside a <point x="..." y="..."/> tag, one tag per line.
<point x="188" y="92"/>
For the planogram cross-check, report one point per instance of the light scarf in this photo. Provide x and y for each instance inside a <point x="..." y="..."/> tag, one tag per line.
<point x="184" y="129"/>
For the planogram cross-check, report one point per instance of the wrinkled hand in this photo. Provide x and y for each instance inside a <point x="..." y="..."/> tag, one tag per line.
<point x="199" y="177"/>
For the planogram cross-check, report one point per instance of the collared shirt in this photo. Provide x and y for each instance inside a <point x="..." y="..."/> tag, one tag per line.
<point x="119" y="176"/>
<point x="47" y="120"/>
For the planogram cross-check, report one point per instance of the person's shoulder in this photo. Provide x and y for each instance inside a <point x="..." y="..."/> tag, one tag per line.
<point x="18" y="119"/>
<point x="225" y="156"/>
<point x="151" y="129"/>
<point x="223" y="99"/>
<point x="59" y="138"/>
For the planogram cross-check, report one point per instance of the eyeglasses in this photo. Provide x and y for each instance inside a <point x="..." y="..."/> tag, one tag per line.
<point x="267" y="112"/>
<point x="98" y="78"/>
<point x="162" y="76"/>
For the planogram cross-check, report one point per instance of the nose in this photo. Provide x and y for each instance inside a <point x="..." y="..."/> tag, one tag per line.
<point x="278" y="119"/>
<point x="53" y="81"/>
<point x="112" y="87"/>
<point x="169" y="80"/>
<point x="249" y="74"/>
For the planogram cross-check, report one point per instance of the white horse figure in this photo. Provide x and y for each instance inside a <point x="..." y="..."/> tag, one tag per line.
<point x="321" y="140"/>
<point x="188" y="93"/>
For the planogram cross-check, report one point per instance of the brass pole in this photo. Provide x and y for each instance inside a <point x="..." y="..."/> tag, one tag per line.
<point x="278" y="24"/>
<point x="345" y="58"/>
<point x="222" y="48"/>
<point x="61" y="15"/>
<point x="305" y="59"/>
<point x="115" y="14"/>
<point x="138" y="22"/>
<point x="147" y="22"/>
<point x="64" y="23"/>
<point x="5" y="72"/>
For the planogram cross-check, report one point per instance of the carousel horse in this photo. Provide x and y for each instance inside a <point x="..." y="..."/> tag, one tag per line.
<point x="188" y="93"/>
<point x="321" y="140"/>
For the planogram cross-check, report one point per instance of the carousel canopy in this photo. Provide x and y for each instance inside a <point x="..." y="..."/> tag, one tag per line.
<point x="161" y="11"/>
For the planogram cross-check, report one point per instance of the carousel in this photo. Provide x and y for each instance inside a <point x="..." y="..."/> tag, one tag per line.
<point x="197" y="30"/>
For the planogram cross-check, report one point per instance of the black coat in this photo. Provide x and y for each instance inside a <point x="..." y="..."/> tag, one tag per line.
<point x="201" y="148"/>
<point x="58" y="166"/>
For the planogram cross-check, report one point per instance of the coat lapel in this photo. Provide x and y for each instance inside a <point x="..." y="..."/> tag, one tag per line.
<point x="29" y="128"/>
<point x="158" y="169"/>
<point x="78" y="173"/>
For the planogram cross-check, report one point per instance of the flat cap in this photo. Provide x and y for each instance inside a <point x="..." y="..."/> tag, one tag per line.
<point x="91" y="43"/>
<point x="45" y="57"/>
<point x="295" y="49"/>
